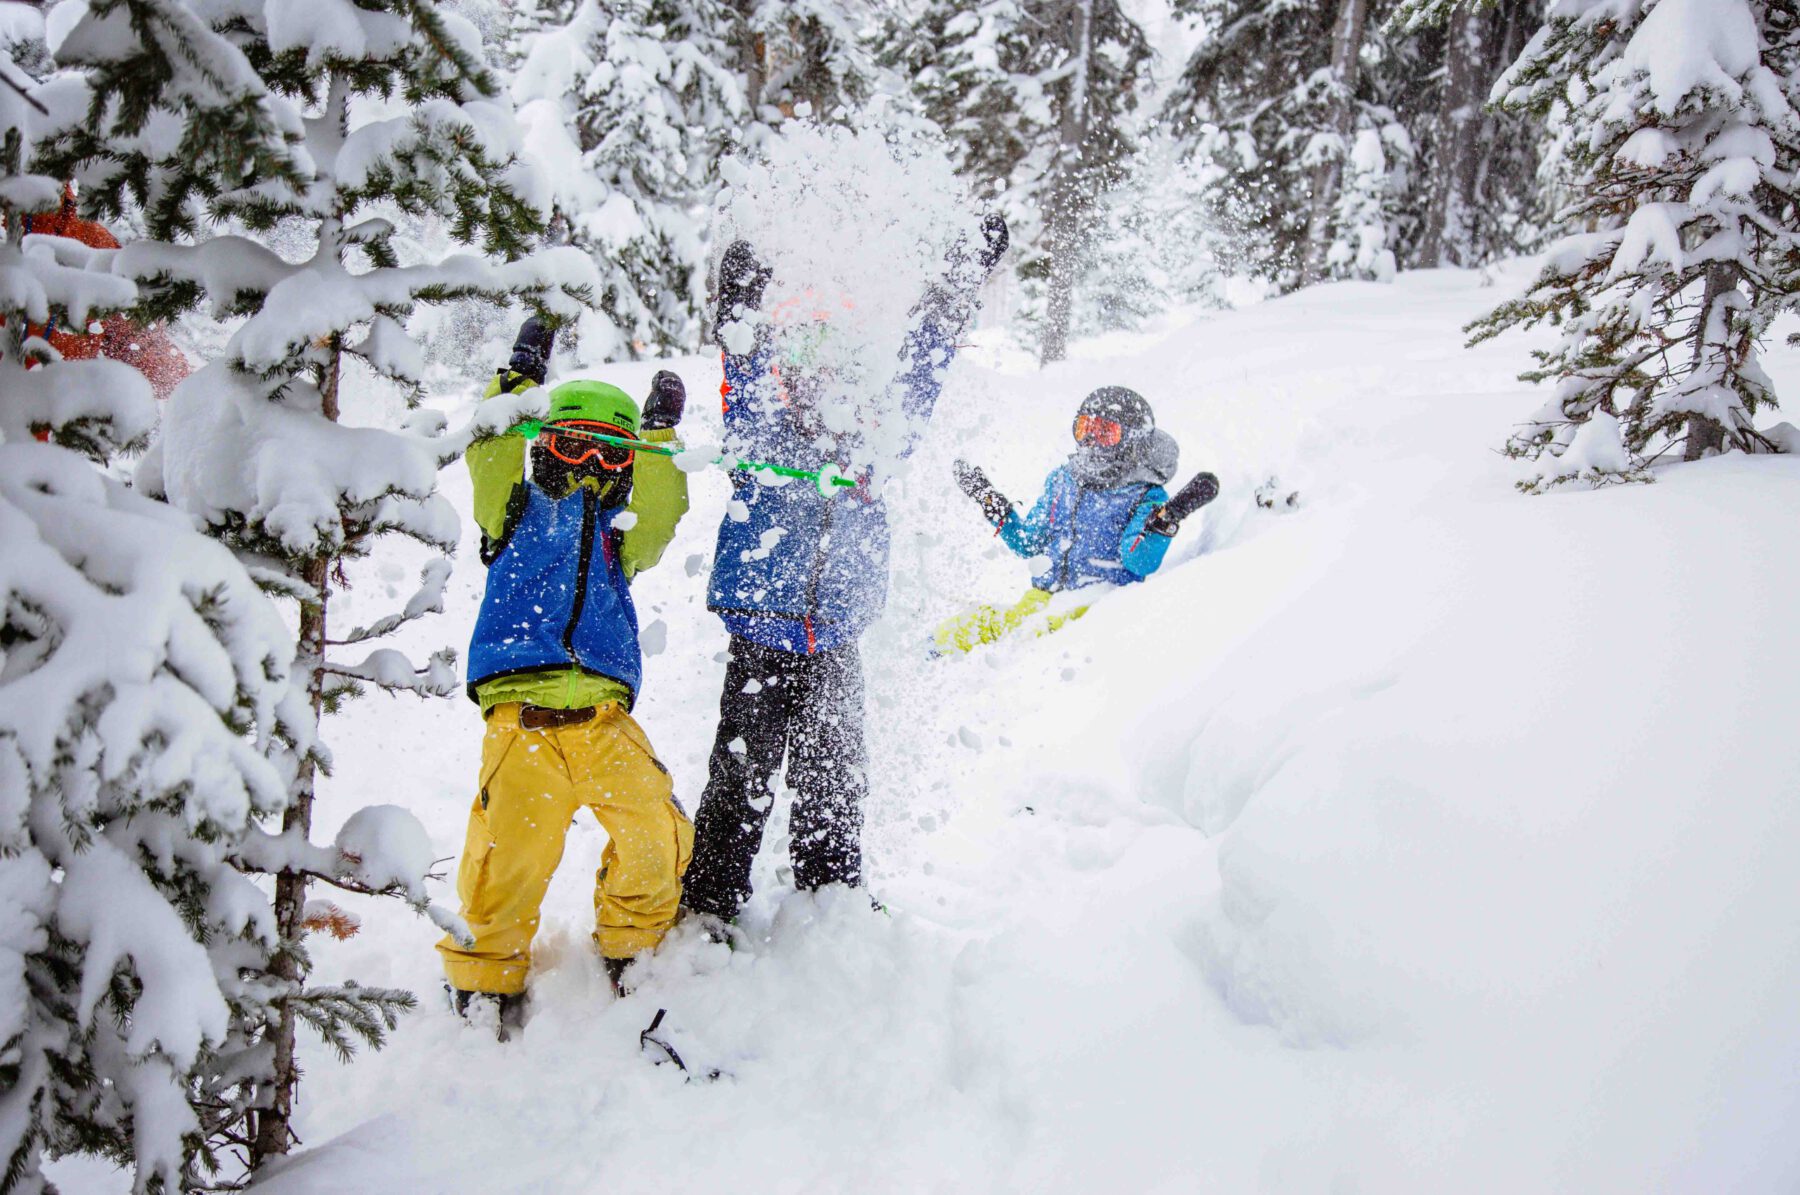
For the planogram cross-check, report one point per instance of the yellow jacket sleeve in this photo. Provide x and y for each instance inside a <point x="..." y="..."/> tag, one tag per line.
<point x="497" y="465"/>
<point x="659" y="497"/>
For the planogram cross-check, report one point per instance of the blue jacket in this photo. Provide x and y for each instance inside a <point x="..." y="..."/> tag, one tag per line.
<point x="802" y="571"/>
<point x="557" y="595"/>
<point x="1089" y="536"/>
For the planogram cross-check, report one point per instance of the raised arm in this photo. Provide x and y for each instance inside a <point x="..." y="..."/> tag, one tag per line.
<point x="941" y="317"/>
<point x="659" y="490"/>
<point x="742" y="280"/>
<point x="497" y="465"/>
<point x="1166" y="519"/>
<point x="1142" y="554"/>
<point x="994" y="505"/>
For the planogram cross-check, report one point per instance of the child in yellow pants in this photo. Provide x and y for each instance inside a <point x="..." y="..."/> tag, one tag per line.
<point x="555" y="665"/>
<point x="533" y="782"/>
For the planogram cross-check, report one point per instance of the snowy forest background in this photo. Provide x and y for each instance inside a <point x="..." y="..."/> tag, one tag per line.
<point x="344" y="207"/>
<point x="1144" y="156"/>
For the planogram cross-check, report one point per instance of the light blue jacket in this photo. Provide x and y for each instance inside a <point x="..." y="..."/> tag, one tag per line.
<point x="1088" y="536"/>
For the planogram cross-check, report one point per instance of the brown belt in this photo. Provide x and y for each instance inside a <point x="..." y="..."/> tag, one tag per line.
<point x="537" y="717"/>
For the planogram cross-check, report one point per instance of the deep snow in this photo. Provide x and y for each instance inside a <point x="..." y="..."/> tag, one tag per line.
<point x="1428" y="837"/>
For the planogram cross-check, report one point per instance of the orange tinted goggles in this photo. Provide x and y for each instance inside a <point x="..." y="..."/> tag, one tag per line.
<point x="1092" y="429"/>
<point x="571" y="441"/>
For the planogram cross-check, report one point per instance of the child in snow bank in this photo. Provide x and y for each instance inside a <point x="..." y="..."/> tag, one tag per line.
<point x="555" y="666"/>
<point x="1104" y="517"/>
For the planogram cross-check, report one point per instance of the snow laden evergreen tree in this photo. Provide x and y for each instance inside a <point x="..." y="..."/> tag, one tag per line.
<point x="631" y="105"/>
<point x="808" y="58"/>
<point x="1037" y="97"/>
<point x="1351" y="137"/>
<point x="968" y="80"/>
<point x="507" y="27"/>
<point x="1680" y="143"/>
<point x="1154" y="247"/>
<point x="149" y="725"/>
<point x="635" y="103"/>
<point x="1090" y="58"/>
<point x="385" y="107"/>
<point x="1476" y="198"/>
<point x="961" y="60"/>
<point x="1314" y="163"/>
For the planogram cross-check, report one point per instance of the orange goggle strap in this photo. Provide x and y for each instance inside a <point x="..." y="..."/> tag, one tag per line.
<point x="587" y="450"/>
<point x="1102" y="431"/>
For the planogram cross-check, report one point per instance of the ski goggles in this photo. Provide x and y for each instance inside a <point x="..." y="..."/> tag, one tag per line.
<point x="1093" y="429"/>
<point x="571" y="442"/>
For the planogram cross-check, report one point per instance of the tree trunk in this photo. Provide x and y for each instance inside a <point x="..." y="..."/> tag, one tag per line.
<point x="274" y="1123"/>
<point x="1459" y="146"/>
<point x="1067" y="203"/>
<point x="752" y="57"/>
<point x="1704" y="434"/>
<point x="1328" y="176"/>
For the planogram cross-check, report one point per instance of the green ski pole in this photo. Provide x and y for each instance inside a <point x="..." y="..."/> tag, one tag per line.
<point x="531" y="427"/>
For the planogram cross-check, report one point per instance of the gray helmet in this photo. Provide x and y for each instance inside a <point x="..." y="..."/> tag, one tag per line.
<point x="1098" y="464"/>
<point x="1117" y="403"/>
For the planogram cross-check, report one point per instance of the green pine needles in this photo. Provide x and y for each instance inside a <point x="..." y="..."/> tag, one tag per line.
<point x="283" y="158"/>
<point x="1680" y="170"/>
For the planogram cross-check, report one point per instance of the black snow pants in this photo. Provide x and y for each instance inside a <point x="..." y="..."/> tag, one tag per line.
<point x="808" y="708"/>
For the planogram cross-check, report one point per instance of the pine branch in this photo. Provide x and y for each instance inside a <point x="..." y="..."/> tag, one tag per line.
<point x="428" y="600"/>
<point x="6" y="78"/>
<point x="337" y="1014"/>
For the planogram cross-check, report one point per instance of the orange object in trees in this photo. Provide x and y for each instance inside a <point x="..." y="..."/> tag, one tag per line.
<point x="147" y="349"/>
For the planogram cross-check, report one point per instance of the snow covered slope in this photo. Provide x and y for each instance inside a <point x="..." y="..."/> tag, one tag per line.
<point x="1424" y="838"/>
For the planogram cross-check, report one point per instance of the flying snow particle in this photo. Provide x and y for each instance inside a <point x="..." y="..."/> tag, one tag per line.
<point x="654" y="638"/>
<point x="739" y="336"/>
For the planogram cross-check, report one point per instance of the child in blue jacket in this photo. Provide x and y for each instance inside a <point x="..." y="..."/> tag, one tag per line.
<point x="1104" y="516"/>
<point x="798" y="575"/>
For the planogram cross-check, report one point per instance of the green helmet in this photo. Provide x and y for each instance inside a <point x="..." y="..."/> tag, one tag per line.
<point x="597" y="401"/>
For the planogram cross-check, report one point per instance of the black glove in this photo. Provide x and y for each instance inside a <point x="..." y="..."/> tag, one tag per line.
<point x="531" y="350"/>
<point x="975" y="484"/>
<point x="742" y="279"/>
<point x="1165" y="519"/>
<point x="993" y="232"/>
<point x="667" y="399"/>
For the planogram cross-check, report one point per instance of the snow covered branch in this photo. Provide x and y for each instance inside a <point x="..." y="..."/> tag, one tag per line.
<point x="429" y="599"/>
<point x="391" y="670"/>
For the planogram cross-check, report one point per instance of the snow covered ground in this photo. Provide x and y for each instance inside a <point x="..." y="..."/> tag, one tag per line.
<point x="1425" y="838"/>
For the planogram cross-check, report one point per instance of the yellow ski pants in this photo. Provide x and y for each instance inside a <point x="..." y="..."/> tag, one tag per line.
<point x="987" y="624"/>
<point x="532" y="784"/>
